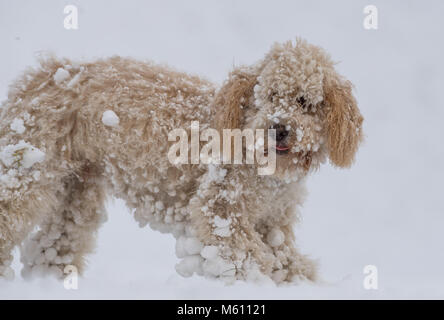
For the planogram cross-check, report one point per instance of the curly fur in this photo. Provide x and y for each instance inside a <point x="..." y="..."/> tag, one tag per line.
<point x="229" y="222"/>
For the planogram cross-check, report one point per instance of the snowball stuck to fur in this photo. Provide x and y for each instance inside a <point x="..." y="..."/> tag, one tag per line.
<point x="50" y="254"/>
<point x="31" y="156"/>
<point x="23" y="153"/>
<point x="17" y="125"/>
<point x="193" y="246"/>
<point x="218" y="266"/>
<point x="188" y="246"/>
<point x="9" y="179"/>
<point x="299" y="134"/>
<point x="159" y="205"/>
<point x="60" y="75"/>
<point x="109" y="118"/>
<point x="275" y="237"/>
<point x="74" y="80"/>
<point x="222" y="227"/>
<point x="189" y="265"/>
<point x="180" y="247"/>
<point x="210" y="252"/>
<point x="216" y="173"/>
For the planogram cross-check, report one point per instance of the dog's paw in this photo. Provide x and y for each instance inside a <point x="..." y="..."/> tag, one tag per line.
<point x="200" y="259"/>
<point x="42" y="270"/>
<point x="196" y="258"/>
<point x="216" y="262"/>
<point x="215" y="265"/>
<point x="40" y="259"/>
<point x="190" y="265"/>
<point x="299" y="269"/>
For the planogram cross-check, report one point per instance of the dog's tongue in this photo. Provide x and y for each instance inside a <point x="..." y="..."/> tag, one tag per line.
<point x="282" y="148"/>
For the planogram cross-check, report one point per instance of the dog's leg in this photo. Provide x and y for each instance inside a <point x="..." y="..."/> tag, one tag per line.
<point x="20" y="211"/>
<point x="230" y="246"/>
<point x="289" y="265"/>
<point x="227" y="239"/>
<point x="67" y="235"/>
<point x="6" y="247"/>
<point x="221" y="240"/>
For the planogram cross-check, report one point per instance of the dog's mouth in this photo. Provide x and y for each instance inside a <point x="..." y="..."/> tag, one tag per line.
<point x="282" y="133"/>
<point x="282" y="148"/>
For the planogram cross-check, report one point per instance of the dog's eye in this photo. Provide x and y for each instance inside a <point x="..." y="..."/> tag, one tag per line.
<point x="304" y="104"/>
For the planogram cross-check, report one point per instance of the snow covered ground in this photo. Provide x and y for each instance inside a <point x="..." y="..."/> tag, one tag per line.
<point x="386" y="211"/>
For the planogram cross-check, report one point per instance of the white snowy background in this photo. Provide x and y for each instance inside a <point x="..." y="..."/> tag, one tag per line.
<point x="387" y="211"/>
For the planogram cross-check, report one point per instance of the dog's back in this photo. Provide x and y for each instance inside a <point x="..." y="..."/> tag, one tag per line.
<point x="62" y="98"/>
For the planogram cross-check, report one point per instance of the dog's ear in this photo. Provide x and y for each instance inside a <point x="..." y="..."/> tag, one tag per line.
<point x="232" y="97"/>
<point x="344" y="120"/>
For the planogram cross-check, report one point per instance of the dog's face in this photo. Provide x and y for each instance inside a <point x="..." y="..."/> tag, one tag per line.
<point x="296" y="91"/>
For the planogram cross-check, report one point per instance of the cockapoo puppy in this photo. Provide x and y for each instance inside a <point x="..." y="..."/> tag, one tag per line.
<point x="73" y="133"/>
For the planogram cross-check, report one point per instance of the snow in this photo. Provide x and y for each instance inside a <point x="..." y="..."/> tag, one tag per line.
<point x="50" y="254"/>
<point x="195" y="258"/>
<point x="31" y="156"/>
<point x="200" y="260"/>
<point x="17" y="126"/>
<point x="299" y="134"/>
<point x="74" y="81"/>
<point x="209" y="252"/>
<point x="222" y="226"/>
<point x="387" y="210"/>
<point x="109" y="118"/>
<point x="193" y="246"/>
<point x="61" y="75"/>
<point x="188" y="246"/>
<point x="9" y="179"/>
<point x="188" y="266"/>
<point x="159" y="205"/>
<point x="275" y="237"/>
<point x="22" y="154"/>
<point x="215" y="173"/>
<point x="219" y="267"/>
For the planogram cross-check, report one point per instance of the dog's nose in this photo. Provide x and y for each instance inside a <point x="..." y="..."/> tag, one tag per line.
<point x="281" y="132"/>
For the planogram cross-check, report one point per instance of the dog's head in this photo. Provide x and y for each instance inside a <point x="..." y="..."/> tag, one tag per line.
<point x="296" y="91"/>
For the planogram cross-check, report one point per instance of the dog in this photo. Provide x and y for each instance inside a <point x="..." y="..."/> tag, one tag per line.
<point x="72" y="134"/>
